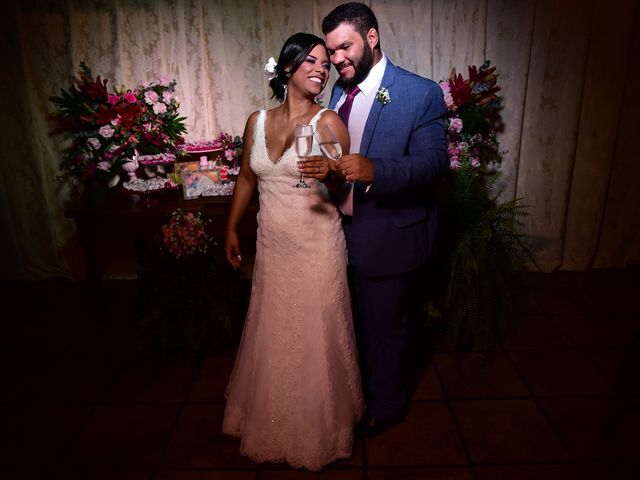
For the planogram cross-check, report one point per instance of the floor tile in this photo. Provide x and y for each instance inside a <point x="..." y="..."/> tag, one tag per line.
<point x="529" y="472"/>
<point x="124" y="436"/>
<point x="611" y="470"/>
<point x="73" y="378"/>
<point x="559" y="372"/>
<point x="599" y="331"/>
<point x="619" y="367"/>
<point x="212" y="380"/>
<point x="198" y="442"/>
<point x="105" y="475"/>
<point x="151" y="379"/>
<point x="505" y="431"/>
<point x="38" y="435"/>
<point x="536" y="332"/>
<point x="472" y="375"/>
<point x="412" y="473"/>
<point x="525" y="301"/>
<point x="562" y="300"/>
<point x="426" y="437"/>
<point x="206" y="475"/>
<point x="426" y="385"/>
<point x="595" y="427"/>
<point x="538" y="280"/>
<point x="290" y="474"/>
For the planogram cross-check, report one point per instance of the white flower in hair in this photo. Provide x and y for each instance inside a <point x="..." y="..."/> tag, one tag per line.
<point x="270" y="68"/>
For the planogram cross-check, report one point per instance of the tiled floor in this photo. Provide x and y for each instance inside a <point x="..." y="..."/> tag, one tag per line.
<point x="83" y="398"/>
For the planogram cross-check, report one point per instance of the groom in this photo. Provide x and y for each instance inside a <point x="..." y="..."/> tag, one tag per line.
<point x="396" y="124"/>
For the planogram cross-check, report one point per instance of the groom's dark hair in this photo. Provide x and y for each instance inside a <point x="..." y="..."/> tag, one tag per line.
<point x="356" y="14"/>
<point x="293" y="53"/>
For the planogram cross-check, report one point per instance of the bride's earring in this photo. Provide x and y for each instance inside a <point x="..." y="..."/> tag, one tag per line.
<point x="285" y="92"/>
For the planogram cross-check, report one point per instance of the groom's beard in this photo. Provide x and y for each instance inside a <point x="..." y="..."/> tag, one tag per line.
<point x="361" y="69"/>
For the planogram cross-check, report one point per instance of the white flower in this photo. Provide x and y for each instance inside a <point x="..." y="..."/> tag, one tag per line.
<point x="94" y="143"/>
<point x="383" y="96"/>
<point x="106" y="131"/>
<point x="270" y="67"/>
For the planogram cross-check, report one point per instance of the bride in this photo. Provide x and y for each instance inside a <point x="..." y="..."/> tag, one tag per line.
<point x="294" y="395"/>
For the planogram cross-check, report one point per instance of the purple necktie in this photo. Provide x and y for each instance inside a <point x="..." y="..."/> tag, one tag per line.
<point x="345" y="108"/>
<point x="346" y="205"/>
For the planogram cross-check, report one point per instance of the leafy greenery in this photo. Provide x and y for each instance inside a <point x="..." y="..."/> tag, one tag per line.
<point x="191" y="306"/>
<point x="481" y="248"/>
<point x="480" y="241"/>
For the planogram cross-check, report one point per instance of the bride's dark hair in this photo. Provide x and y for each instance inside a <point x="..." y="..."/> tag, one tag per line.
<point x="293" y="53"/>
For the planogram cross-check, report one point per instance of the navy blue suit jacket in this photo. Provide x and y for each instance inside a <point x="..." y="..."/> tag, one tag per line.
<point x="394" y="223"/>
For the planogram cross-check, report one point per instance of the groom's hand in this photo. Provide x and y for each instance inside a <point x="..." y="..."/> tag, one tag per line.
<point x="355" y="167"/>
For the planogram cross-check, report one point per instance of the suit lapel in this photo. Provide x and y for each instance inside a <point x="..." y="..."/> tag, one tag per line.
<point x="336" y="93"/>
<point x="376" y="109"/>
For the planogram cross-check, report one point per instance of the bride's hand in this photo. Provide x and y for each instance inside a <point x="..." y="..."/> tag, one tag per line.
<point x="317" y="167"/>
<point x="232" y="249"/>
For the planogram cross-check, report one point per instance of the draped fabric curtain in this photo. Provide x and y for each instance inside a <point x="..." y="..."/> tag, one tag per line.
<point x="567" y="70"/>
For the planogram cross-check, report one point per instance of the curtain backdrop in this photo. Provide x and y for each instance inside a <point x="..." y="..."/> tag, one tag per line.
<point x="567" y="70"/>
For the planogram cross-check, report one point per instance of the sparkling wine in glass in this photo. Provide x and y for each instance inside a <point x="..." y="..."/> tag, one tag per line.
<point x="304" y="142"/>
<point x="328" y="142"/>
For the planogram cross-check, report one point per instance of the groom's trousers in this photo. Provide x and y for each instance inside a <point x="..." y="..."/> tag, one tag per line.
<point x="381" y="311"/>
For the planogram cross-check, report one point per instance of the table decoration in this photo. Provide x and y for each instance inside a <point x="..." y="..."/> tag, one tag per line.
<point x="105" y="129"/>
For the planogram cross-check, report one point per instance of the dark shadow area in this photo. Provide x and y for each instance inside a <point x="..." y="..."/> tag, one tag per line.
<point x="87" y="397"/>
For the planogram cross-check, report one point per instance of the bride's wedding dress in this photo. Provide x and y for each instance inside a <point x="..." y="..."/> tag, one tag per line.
<point x="294" y="393"/>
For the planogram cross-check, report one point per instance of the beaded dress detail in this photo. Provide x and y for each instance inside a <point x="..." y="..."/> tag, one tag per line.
<point x="295" y="394"/>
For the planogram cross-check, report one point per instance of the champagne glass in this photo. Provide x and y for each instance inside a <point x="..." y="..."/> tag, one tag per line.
<point x="304" y="142"/>
<point x="328" y="142"/>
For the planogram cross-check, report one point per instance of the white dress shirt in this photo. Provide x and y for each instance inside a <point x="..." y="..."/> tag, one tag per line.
<point x="362" y="103"/>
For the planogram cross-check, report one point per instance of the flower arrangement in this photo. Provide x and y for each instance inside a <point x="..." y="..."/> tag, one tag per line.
<point x="472" y="116"/>
<point x="382" y="95"/>
<point x="185" y="234"/>
<point x="106" y="129"/>
<point x="479" y="237"/>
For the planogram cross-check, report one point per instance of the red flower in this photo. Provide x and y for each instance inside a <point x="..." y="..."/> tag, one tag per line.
<point x="460" y="89"/>
<point x="95" y="90"/>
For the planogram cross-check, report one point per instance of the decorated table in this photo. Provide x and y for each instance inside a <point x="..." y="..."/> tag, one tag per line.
<point x="114" y="235"/>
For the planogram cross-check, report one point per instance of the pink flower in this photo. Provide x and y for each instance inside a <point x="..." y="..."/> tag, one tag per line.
<point x="448" y="98"/>
<point x="106" y="131"/>
<point x="113" y="99"/>
<point x="159" y="108"/>
<point x="150" y="97"/>
<point x="94" y="143"/>
<point x="163" y="80"/>
<point x="454" y="164"/>
<point x="105" y="166"/>
<point x="475" y="163"/>
<point x="130" y="97"/>
<point x="456" y="125"/>
<point x="166" y="97"/>
<point x="229" y="154"/>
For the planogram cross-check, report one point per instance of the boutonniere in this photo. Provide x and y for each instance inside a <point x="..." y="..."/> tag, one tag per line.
<point x="383" y="96"/>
